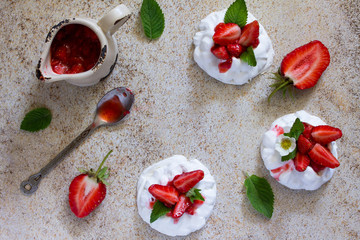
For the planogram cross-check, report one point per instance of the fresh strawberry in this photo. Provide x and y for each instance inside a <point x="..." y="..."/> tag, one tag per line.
<point x="316" y="167"/>
<point x="225" y="66"/>
<point x="186" y="181"/>
<point x="303" y="144"/>
<point x="256" y="43"/>
<point x="307" y="130"/>
<point x="219" y="26"/>
<point x="249" y="34"/>
<point x="301" y="162"/>
<point x="220" y="52"/>
<point x="325" y="134"/>
<point x="181" y="206"/>
<point x="302" y="67"/>
<point x="226" y="34"/>
<point x="195" y="205"/>
<point x="88" y="190"/>
<point x="322" y="156"/>
<point x="235" y="49"/>
<point x="165" y="194"/>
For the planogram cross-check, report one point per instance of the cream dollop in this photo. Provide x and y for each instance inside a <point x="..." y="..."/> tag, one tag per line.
<point x="240" y="72"/>
<point x="289" y="176"/>
<point x="163" y="172"/>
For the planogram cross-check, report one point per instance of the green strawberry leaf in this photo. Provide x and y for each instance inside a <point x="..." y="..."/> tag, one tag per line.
<point x="194" y="194"/>
<point x="249" y="57"/>
<point x="237" y="13"/>
<point x="36" y="120"/>
<point x="260" y="194"/>
<point x="159" y="210"/>
<point x="291" y="155"/>
<point x="296" y="129"/>
<point x="152" y="19"/>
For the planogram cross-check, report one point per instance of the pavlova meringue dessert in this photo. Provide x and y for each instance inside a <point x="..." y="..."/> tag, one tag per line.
<point x="230" y="50"/>
<point x="300" y="151"/>
<point x="176" y="196"/>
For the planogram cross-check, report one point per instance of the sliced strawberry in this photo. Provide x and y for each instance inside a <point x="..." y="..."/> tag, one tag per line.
<point x="322" y="156"/>
<point x="305" y="64"/>
<point x="181" y="206"/>
<point x="165" y="194"/>
<point x="226" y="34"/>
<point x="235" y="49"/>
<point x="302" y="67"/>
<point x="301" y="161"/>
<point x="186" y="181"/>
<point x="325" y="134"/>
<point x="194" y="206"/>
<point x="307" y="130"/>
<point x="256" y="43"/>
<point x="220" y="52"/>
<point x="88" y="190"/>
<point x="225" y="66"/>
<point x="249" y="34"/>
<point x="219" y="26"/>
<point x="303" y="144"/>
<point x="316" y="167"/>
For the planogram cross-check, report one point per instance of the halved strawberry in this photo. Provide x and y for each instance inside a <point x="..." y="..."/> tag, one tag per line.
<point x="235" y="49"/>
<point x="325" y="134"/>
<point x="165" y="194"/>
<point x="220" y="52"/>
<point x="88" y="190"/>
<point x="225" y="66"/>
<point x="301" y="161"/>
<point x="195" y="205"/>
<point x="249" y="34"/>
<point x="307" y="130"/>
<point x="302" y="67"/>
<point x="181" y="206"/>
<point x="322" y="156"/>
<point x="186" y="181"/>
<point x="226" y="34"/>
<point x="256" y="43"/>
<point x="219" y="26"/>
<point x="316" y="167"/>
<point x="303" y="144"/>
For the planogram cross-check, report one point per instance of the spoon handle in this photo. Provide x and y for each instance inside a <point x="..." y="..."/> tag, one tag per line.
<point x="31" y="185"/>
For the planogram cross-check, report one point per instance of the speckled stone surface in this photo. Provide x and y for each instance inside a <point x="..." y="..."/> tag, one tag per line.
<point x="178" y="110"/>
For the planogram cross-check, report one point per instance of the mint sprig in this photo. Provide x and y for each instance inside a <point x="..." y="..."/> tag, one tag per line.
<point x="152" y="19"/>
<point x="158" y="210"/>
<point x="194" y="194"/>
<point x="296" y="130"/>
<point x="36" y="120"/>
<point x="237" y="13"/>
<point x="249" y="57"/>
<point x="260" y="194"/>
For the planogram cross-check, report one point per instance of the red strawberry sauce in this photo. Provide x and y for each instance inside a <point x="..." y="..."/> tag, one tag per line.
<point x="75" y="49"/>
<point x="111" y="110"/>
<point x="289" y="166"/>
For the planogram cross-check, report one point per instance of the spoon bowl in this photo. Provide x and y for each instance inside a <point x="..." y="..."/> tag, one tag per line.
<point x="110" y="110"/>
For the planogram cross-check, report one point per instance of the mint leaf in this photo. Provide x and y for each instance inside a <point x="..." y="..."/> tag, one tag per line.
<point x="249" y="57"/>
<point x="159" y="210"/>
<point x="194" y="194"/>
<point x="296" y="129"/>
<point x="260" y="194"/>
<point x="152" y="19"/>
<point x="237" y="13"/>
<point x="36" y="120"/>
<point x="291" y="155"/>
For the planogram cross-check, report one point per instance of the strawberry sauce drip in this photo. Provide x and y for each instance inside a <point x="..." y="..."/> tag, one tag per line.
<point x="280" y="170"/>
<point x="75" y="49"/>
<point x="279" y="130"/>
<point x="112" y="110"/>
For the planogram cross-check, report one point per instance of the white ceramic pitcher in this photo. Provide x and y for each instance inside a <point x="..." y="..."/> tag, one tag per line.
<point x="104" y="29"/>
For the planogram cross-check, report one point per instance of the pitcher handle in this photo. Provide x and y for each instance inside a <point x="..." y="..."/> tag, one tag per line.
<point x="112" y="21"/>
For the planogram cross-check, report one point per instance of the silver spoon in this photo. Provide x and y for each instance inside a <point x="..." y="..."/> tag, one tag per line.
<point x="112" y="108"/>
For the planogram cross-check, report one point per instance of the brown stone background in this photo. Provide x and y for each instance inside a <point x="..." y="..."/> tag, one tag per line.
<point x="178" y="110"/>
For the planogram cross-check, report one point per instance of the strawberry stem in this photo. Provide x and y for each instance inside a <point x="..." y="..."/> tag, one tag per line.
<point x="102" y="163"/>
<point x="286" y="83"/>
